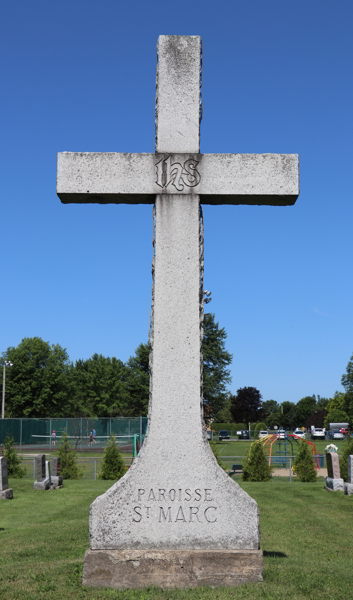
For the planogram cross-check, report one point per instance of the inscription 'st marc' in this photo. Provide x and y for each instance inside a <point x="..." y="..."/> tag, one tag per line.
<point x="175" y="174"/>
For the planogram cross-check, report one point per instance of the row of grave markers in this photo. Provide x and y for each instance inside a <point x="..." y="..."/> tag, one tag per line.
<point x="47" y="475"/>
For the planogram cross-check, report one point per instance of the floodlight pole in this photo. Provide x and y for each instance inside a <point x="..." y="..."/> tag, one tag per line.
<point x="7" y="363"/>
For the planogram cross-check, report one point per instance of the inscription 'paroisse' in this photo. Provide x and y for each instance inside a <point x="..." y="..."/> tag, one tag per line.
<point x="186" y="505"/>
<point x="177" y="175"/>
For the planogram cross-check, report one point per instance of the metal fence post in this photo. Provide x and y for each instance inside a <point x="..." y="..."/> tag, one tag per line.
<point x="95" y="469"/>
<point x="290" y="468"/>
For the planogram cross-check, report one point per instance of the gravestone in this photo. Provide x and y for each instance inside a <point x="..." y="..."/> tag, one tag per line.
<point x="333" y="480"/>
<point x="348" y="487"/>
<point x="56" y="478"/>
<point x="48" y="471"/>
<point x="5" y="491"/>
<point x="176" y="519"/>
<point x="41" y="482"/>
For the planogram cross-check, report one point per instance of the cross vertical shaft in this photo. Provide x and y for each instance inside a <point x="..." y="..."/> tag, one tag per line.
<point x="176" y="295"/>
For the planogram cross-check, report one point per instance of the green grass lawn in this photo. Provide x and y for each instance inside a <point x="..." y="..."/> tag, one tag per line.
<point x="306" y="536"/>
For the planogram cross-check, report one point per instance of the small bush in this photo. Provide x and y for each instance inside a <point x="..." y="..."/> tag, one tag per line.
<point x="256" y="467"/>
<point x="347" y="449"/>
<point x="112" y="464"/>
<point x="13" y="460"/>
<point x="69" y="468"/>
<point x="304" y="466"/>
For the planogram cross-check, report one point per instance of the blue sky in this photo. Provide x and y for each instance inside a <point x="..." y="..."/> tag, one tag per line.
<point x="79" y="75"/>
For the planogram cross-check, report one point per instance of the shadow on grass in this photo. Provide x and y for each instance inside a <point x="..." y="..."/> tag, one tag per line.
<point x="275" y="554"/>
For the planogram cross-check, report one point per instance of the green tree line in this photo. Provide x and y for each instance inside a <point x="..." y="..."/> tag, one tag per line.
<point x="44" y="382"/>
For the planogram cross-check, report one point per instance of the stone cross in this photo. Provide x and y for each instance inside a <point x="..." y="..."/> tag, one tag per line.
<point x="175" y="497"/>
<point x="5" y="491"/>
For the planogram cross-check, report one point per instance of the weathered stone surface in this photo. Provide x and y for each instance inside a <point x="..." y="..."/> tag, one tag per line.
<point x="41" y="485"/>
<point x="40" y="467"/>
<point x="217" y="178"/>
<point x="350" y="469"/>
<point x="333" y="465"/>
<point x="175" y="495"/>
<point x="348" y="489"/>
<point x="178" y="93"/>
<point x="337" y="484"/>
<point x="123" y="569"/>
<point x="6" y="494"/>
<point x="4" y="481"/>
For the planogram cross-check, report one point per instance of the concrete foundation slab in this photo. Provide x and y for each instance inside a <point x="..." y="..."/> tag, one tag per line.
<point x="125" y="569"/>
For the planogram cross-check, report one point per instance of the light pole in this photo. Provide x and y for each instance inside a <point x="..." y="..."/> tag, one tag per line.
<point x="7" y="363"/>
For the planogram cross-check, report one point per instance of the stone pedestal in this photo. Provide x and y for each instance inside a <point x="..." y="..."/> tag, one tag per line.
<point x="6" y="494"/>
<point x="348" y="489"/>
<point x="335" y="485"/>
<point x="124" y="569"/>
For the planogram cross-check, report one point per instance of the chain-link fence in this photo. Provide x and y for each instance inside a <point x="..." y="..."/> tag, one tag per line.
<point x="28" y="432"/>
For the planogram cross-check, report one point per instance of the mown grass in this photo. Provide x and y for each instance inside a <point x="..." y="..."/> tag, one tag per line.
<point x="306" y="536"/>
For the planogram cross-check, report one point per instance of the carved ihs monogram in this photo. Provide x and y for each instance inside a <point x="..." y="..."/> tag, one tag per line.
<point x="177" y="175"/>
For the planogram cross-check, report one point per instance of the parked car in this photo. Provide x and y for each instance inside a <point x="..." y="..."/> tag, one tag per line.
<point x="300" y="433"/>
<point x="263" y="434"/>
<point x="223" y="435"/>
<point x="281" y="434"/>
<point x="344" y="430"/>
<point x="319" y="433"/>
<point x="335" y="434"/>
<point x="243" y="434"/>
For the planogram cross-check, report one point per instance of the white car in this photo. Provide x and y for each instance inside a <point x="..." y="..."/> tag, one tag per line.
<point x="319" y="433"/>
<point x="300" y="433"/>
<point x="281" y="434"/>
<point x="263" y="434"/>
<point x="337" y="435"/>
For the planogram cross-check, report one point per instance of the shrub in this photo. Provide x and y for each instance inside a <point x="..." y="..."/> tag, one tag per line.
<point x="112" y="464"/>
<point x="347" y="449"/>
<point x="69" y="468"/>
<point x="256" y="467"/>
<point x="303" y="463"/>
<point x="13" y="460"/>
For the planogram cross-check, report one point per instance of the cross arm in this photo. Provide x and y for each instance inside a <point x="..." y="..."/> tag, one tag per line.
<point x="217" y="178"/>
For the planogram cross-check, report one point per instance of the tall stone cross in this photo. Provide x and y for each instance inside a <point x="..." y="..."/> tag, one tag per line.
<point x="175" y="498"/>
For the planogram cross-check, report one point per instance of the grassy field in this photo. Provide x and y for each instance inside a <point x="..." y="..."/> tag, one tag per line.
<point x="306" y="536"/>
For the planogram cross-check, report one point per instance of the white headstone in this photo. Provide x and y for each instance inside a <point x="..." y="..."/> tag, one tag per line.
<point x="175" y="497"/>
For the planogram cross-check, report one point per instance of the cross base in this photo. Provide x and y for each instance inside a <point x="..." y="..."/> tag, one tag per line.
<point x="136" y="569"/>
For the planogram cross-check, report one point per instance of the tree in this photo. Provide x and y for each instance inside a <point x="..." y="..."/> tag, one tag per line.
<point x="269" y="407"/>
<point x="113" y="466"/>
<point x="69" y="468"/>
<point x="303" y="463"/>
<point x="347" y="379"/>
<point x="99" y="387"/>
<point x="246" y="405"/>
<point x="37" y="383"/>
<point x="256" y="467"/>
<point x="13" y="460"/>
<point x="346" y="451"/>
<point x="304" y="408"/>
<point x="137" y="382"/>
<point x="216" y="359"/>
<point x="336" y="416"/>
